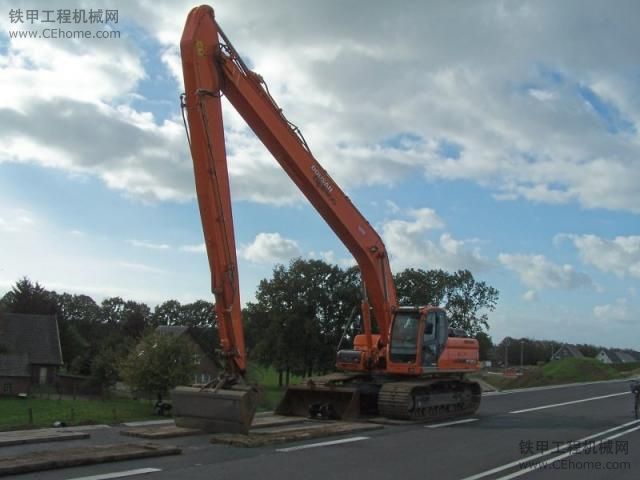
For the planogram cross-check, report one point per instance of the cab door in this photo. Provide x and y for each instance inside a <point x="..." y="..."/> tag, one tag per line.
<point x="434" y="338"/>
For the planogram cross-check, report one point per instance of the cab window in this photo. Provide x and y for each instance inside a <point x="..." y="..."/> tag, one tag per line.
<point x="404" y="337"/>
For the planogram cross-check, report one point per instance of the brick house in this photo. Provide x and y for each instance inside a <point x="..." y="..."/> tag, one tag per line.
<point x="30" y="352"/>
<point x="14" y="373"/>
<point x="207" y="368"/>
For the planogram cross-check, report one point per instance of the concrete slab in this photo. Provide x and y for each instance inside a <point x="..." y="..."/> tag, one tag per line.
<point x="21" y="437"/>
<point x="305" y="424"/>
<point x="160" y="431"/>
<point x="270" y="420"/>
<point x="144" y="423"/>
<point x="72" y="457"/>
<point x="164" y="430"/>
<point x="273" y="436"/>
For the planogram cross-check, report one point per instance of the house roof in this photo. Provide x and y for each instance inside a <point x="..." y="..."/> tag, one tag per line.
<point x="634" y="354"/>
<point x="606" y="353"/>
<point x="14" y="365"/>
<point x="624" y="356"/>
<point x="572" y="349"/>
<point x="611" y="354"/>
<point x="621" y="356"/>
<point x="34" y="335"/>
<point x="173" y="330"/>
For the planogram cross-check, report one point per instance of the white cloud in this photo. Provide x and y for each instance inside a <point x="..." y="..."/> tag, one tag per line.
<point x="329" y="256"/>
<point x="454" y="89"/>
<point x="15" y="219"/>
<point x="200" y="248"/>
<point x="392" y="206"/>
<point x="541" y="94"/>
<point x="68" y="262"/>
<point x="423" y="219"/>
<point x="620" y="256"/>
<point x="537" y="272"/>
<point x="620" y="311"/>
<point x="530" y="296"/>
<point x="140" y="267"/>
<point x="409" y="246"/>
<point x="270" y="248"/>
<point x="149" y="245"/>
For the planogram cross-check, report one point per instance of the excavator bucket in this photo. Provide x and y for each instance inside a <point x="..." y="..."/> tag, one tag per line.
<point x="336" y="403"/>
<point x="222" y="410"/>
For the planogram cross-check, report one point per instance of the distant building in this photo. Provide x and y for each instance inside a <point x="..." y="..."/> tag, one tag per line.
<point x="207" y="367"/>
<point x="567" y="351"/>
<point x="611" y="356"/>
<point x="31" y="352"/>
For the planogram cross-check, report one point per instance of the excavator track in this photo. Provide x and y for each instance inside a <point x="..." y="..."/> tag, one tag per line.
<point x="429" y="400"/>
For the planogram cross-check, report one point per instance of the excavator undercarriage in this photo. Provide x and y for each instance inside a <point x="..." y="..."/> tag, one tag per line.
<point x="352" y="396"/>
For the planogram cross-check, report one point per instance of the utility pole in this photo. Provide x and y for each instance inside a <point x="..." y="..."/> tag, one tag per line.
<point x="506" y="354"/>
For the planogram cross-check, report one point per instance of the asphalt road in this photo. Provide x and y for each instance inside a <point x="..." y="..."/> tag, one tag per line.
<point x="593" y="439"/>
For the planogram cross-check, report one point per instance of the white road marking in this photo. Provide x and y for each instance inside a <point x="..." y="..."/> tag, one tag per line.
<point x="322" y="444"/>
<point x="540" y="465"/>
<point x="570" y="403"/>
<point x="486" y="473"/>
<point x="438" y="425"/>
<point x="551" y="387"/>
<point x="127" y="473"/>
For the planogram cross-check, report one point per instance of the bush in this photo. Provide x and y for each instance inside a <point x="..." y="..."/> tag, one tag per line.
<point x="158" y="364"/>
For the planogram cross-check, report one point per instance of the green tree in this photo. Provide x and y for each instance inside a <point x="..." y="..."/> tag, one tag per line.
<point x="588" y="350"/>
<point x="112" y="310"/>
<point x="199" y="314"/>
<point x="466" y="300"/>
<point x="79" y="309"/>
<point x="420" y="287"/>
<point x="159" y="363"/>
<point x="168" y="313"/>
<point x="299" y="314"/>
<point x="135" y="316"/>
<point x="485" y="344"/>
<point x="27" y="297"/>
<point x="80" y="330"/>
<point x="104" y="369"/>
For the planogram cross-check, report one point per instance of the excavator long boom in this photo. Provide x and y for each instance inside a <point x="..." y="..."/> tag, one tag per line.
<point x="420" y="349"/>
<point x="212" y="68"/>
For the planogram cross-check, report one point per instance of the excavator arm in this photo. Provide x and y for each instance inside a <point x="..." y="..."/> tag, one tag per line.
<point x="212" y="68"/>
<point x="434" y="363"/>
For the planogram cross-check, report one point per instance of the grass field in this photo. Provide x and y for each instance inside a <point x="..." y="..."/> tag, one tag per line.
<point x="568" y="370"/>
<point x="15" y="412"/>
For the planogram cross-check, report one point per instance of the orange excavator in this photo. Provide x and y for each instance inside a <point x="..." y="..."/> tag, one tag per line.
<point x="413" y="368"/>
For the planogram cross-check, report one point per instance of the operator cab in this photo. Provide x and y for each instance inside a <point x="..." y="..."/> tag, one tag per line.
<point x="418" y="334"/>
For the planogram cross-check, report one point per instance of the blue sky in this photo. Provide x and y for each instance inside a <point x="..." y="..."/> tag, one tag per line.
<point x="508" y="146"/>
